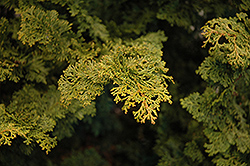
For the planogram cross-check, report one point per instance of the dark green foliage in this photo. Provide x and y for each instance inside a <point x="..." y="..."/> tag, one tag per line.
<point x="223" y="108"/>
<point x="69" y="70"/>
<point x="89" y="157"/>
<point x="187" y="13"/>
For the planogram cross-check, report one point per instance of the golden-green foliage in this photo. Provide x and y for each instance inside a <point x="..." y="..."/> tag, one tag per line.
<point x="32" y="115"/>
<point x="229" y="39"/>
<point x="136" y="71"/>
<point x="37" y="40"/>
<point x="223" y="107"/>
<point x="57" y="57"/>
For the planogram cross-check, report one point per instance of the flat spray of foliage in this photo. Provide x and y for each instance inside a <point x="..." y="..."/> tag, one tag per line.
<point x="57" y="57"/>
<point x="136" y="71"/>
<point x="133" y="67"/>
<point x="223" y="107"/>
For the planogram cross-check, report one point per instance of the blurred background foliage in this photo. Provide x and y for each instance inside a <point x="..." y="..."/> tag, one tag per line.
<point x="110" y="137"/>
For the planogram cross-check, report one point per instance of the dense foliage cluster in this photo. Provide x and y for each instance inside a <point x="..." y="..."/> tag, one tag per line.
<point x="224" y="106"/>
<point x="70" y="69"/>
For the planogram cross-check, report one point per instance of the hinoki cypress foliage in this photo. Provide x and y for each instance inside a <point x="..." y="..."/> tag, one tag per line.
<point x="134" y="68"/>
<point x="223" y="107"/>
<point x="79" y="65"/>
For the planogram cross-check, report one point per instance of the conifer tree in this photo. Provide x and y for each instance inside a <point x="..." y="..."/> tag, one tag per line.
<point x="134" y="67"/>
<point x="64" y="63"/>
<point x="223" y="106"/>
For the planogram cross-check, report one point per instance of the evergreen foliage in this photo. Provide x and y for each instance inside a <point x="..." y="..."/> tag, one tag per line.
<point x="223" y="106"/>
<point x="188" y="13"/>
<point x="137" y="72"/>
<point x="89" y="157"/>
<point x="69" y="69"/>
<point x="32" y="115"/>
